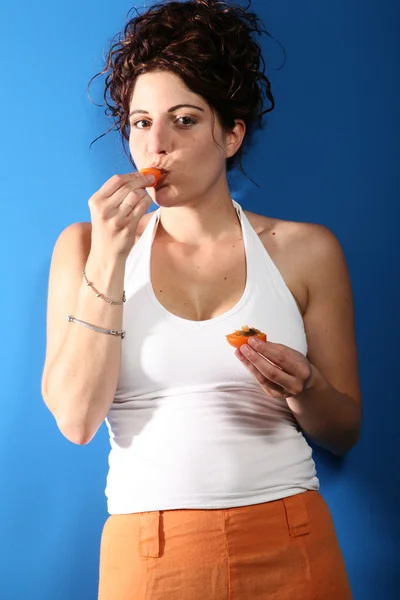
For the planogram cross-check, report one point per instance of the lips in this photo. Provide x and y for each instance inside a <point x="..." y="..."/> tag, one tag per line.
<point x="164" y="173"/>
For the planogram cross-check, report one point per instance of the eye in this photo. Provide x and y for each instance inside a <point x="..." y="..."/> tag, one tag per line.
<point x="136" y="123"/>
<point x="187" y="121"/>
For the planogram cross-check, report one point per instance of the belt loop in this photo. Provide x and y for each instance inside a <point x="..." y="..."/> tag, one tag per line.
<point x="297" y="515"/>
<point x="149" y="534"/>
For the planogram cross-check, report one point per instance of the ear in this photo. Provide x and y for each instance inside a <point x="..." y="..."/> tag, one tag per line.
<point x="234" y="138"/>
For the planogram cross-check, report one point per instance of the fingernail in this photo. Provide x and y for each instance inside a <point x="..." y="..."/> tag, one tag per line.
<point x="253" y="342"/>
<point x="150" y="178"/>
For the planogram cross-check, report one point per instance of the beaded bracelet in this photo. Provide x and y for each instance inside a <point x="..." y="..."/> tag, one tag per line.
<point x="100" y="295"/>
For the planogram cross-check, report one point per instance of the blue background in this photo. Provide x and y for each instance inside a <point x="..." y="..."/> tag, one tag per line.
<point x="329" y="156"/>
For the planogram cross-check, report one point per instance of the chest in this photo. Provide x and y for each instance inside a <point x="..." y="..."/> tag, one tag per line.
<point x="205" y="283"/>
<point x="170" y="351"/>
<point x="198" y="283"/>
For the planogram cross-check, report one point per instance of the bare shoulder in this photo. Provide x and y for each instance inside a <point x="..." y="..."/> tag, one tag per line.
<point x="307" y="254"/>
<point x="74" y="240"/>
<point x="75" y="232"/>
<point x="290" y="232"/>
<point x="311" y="242"/>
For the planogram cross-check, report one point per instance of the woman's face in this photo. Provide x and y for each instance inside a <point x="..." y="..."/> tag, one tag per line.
<point x="172" y="128"/>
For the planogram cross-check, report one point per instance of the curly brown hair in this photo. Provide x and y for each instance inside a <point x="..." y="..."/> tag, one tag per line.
<point x="210" y="45"/>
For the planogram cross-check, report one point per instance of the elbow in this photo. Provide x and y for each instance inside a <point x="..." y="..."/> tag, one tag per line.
<point x="346" y="444"/>
<point x="341" y="439"/>
<point x="342" y="450"/>
<point x="77" y="433"/>
<point x="351" y="432"/>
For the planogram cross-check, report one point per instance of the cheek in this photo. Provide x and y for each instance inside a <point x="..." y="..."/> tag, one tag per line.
<point x="134" y="148"/>
<point x="211" y="156"/>
<point x="205" y="153"/>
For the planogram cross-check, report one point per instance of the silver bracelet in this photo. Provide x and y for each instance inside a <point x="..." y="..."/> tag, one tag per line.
<point x="100" y="295"/>
<point x="114" y="332"/>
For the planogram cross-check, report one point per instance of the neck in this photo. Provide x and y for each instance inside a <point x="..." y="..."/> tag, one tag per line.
<point x="202" y="221"/>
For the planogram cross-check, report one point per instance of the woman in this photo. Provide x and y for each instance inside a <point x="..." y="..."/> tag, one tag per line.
<point x="212" y="490"/>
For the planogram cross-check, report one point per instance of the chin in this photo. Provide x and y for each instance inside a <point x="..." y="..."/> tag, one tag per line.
<point x="166" y="197"/>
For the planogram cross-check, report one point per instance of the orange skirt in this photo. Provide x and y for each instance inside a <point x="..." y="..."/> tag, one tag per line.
<point x="281" y="550"/>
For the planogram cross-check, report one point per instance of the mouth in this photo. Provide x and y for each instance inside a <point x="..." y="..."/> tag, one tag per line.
<point x="161" y="181"/>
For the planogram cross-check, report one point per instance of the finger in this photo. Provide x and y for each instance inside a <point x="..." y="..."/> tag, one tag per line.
<point x="122" y="198"/>
<point x="272" y="372"/>
<point x="271" y="389"/>
<point x="107" y="207"/>
<point x="289" y="360"/>
<point x="118" y="181"/>
<point x="127" y="194"/>
<point x="126" y="208"/>
<point x="141" y="207"/>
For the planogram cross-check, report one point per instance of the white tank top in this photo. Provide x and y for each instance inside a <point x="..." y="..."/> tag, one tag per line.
<point x="189" y="426"/>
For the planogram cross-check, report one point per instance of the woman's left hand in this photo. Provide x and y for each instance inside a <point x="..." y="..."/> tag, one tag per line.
<point x="281" y="371"/>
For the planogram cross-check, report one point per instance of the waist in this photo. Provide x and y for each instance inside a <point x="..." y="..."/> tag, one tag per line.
<point x="212" y="457"/>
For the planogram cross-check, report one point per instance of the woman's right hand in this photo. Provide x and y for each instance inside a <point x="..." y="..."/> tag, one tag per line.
<point x="116" y="209"/>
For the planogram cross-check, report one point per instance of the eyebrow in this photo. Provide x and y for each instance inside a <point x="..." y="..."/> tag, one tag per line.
<point x="170" y="110"/>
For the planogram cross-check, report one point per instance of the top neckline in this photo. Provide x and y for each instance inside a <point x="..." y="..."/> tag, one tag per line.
<point x="206" y="322"/>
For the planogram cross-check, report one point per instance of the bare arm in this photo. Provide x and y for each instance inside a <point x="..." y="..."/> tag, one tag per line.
<point x="329" y="410"/>
<point x="82" y="366"/>
<point x="81" y="369"/>
<point x="321" y="390"/>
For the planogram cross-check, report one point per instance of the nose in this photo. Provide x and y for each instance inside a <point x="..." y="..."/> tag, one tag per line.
<point x="158" y="139"/>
